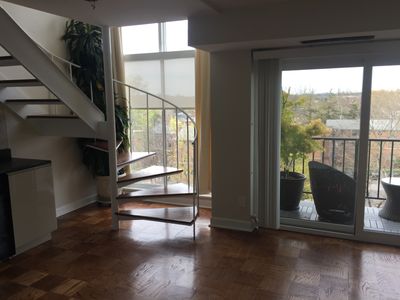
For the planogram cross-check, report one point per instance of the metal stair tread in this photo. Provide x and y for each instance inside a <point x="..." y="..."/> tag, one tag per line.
<point x="149" y="173"/>
<point x="133" y="157"/>
<point x="52" y="117"/>
<point x="178" y="189"/>
<point x="101" y="145"/>
<point x="33" y="101"/>
<point x="178" y="215"/>
<point x="20" y="83"/>
<point x="8" y="61"/>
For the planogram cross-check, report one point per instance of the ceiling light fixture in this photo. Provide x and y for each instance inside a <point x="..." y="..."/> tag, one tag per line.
<point x="92" y="3"/>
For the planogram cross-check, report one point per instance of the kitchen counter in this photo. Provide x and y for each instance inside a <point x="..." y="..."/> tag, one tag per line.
<point x="10" y="164"/>
<point x="27" y="206"/>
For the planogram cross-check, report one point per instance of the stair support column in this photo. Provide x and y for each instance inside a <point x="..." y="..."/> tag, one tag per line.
<point x="111" y="134"/>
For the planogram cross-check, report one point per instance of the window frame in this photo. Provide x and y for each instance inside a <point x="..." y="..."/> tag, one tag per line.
<point x="161" y="56"/>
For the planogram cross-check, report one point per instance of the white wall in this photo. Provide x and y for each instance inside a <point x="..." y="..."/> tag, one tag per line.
<point x="230" y="123"/>
<point x="73" y="184"/>
<point x="45" y="29"/>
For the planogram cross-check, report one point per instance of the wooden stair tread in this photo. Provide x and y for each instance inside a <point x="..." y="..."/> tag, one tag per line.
<point x="8" y="61"/>
<point x="52" y="117"/>
<point x="133" y="157"/>
<point x="20" y="83"/>
<point x="176" y="215"/>
<point x="101" y="145"/>
<point x="33" y="101"/>
<point x="149" y="173"/>
<point x="178" y="189"/>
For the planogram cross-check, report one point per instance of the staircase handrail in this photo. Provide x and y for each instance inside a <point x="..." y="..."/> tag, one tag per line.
<point x="195" y="181"/>
<point x="163" y="100"/>
<point x="69" y="63"/>
<point x="52" y="55"/>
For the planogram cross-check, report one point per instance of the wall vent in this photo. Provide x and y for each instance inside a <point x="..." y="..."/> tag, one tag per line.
<point x="346" y="39"/>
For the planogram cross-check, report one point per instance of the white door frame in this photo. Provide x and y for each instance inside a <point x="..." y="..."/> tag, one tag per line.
<point x="365" y="55"/>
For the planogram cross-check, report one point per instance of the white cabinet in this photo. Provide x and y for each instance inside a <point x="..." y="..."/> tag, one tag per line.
<point x="32" y="206"/>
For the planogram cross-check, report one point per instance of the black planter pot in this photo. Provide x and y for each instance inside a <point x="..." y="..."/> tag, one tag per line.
<point x="291" y="190"/>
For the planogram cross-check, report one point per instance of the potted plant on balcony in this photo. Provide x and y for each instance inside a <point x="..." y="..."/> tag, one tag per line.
<point x="296" y="143"/>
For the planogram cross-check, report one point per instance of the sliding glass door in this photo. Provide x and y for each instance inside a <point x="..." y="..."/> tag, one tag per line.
<point x="320" y="126"/>
<point x="334" y="112"/>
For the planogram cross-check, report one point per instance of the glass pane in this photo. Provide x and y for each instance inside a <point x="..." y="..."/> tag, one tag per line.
<point x="145" y="75"/>
<point x="320" y="127"/>
<point x="179" y="81"/>
<point x="140" y="39"/>
<point x="177" y="36"/>
<point x="382" y="214"/>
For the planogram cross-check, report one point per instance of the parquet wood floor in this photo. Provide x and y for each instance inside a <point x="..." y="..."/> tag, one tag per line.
<point x="147" y="260"/>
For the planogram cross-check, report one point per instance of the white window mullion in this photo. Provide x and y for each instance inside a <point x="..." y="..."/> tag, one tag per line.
<point x="162" y="37"/>
<point x="162" y="66"/>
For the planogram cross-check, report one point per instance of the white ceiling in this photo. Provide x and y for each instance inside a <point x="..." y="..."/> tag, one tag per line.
<point x="131" y="12"/>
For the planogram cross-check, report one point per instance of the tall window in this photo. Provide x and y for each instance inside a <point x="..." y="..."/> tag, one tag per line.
<point x="159" y="60"/>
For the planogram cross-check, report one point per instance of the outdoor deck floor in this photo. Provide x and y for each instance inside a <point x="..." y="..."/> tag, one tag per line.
<point x="372" y="221"/>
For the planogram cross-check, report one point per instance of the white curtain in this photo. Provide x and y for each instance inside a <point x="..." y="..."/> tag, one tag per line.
<point x="118" y="65"/>
<point x="203" y="120"/>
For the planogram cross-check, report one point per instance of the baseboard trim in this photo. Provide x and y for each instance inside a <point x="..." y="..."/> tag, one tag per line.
<point x="232" y="224"/>
<point x="33" y="243"/>
<point x="62" y="210"/>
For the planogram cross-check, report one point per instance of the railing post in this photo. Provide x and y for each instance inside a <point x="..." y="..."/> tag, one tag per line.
<point x="147" y="123"/>
<point x="344" y="155"/>
<point x="177" y="137"/>
<point x="379" y="167"/>
<point x="109" y="97"/>
<point x="368" y="167"/>
<point x="164" y="141"/>
<point x="70" y="72"/>
<point x="91" y="91"/>
<point x="391" y="161"/>
<point x="130" y="119"/>
<point x="187" y="150"/>
<point x="355" y="159"/>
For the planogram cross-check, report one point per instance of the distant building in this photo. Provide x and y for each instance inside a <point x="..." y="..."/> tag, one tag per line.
<point x="349" y="128"/>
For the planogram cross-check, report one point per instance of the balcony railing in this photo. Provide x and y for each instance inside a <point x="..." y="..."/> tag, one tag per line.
<point x="341" y="153"/>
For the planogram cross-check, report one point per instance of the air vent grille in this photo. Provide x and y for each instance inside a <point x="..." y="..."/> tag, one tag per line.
<point x="347" y="39"/>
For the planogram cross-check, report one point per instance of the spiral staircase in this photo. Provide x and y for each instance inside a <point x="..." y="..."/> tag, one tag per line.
<point x="62" y="109"/>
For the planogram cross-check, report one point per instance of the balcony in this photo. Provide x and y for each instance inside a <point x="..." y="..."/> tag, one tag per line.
<point x="340" y="153"/>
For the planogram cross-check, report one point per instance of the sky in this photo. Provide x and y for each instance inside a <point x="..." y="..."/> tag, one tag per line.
<point x="340" y="79"/>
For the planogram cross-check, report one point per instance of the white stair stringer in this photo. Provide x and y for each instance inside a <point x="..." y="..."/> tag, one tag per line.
<point x="15" y="41"/>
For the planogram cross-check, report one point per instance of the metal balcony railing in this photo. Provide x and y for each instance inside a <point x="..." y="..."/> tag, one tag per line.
<point x="341" y="153"/>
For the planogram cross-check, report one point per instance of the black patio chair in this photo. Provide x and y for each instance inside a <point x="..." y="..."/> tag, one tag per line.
<point x="333" y="192"/>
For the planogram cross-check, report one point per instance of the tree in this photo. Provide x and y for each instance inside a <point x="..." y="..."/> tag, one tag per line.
<point x="296" y="138"/>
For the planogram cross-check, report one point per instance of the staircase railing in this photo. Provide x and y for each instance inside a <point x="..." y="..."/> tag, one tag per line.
<point x="54" y="58"/>
<point x="70" y="65"/>
<point x="150" y="113"/>
<point x="189" y="162"/>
